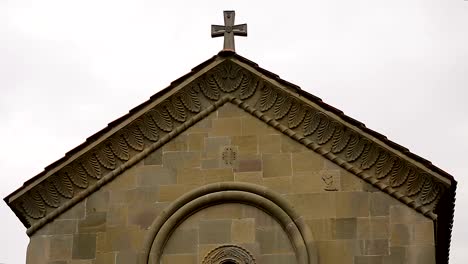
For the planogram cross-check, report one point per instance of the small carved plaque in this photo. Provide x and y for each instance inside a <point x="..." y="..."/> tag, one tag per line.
<point x="329" y="181"/>
<point x="229" y="156"/>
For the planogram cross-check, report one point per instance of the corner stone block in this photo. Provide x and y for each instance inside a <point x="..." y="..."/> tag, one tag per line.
<point x="61" y="247"/>
<point x="84" y="246"/>
<point x="402" y="214"/>
<point x="421" y="254"/>
<point x="38" y="250"/>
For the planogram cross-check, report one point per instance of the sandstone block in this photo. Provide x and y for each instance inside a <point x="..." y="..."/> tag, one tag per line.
<point x="226" y="127"/>
<point x="276" y="165"/>
<point x="84" y="246"/>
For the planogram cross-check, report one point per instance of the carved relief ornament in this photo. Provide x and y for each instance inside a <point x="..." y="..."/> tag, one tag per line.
<point x="280" y="107"/>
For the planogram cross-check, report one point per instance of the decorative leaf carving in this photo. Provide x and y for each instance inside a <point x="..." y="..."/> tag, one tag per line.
<point x="384" y="164"/>
<point x="229" y="77"/>
<point x="355" y="152"/>
<point x="77" y="175"/>
<point x="312" y="122"/>
<point x="175" y="108"/>
<point x="49" y="194"/>
<point x="325" y="131"/>
<point x="247" y="90"/>
<point x="33" y="205"/>
<point x="268" y="98"/>
<point x="119" y="147"/>
<point x="282" y="106"/>
<point x="133" y="137"/>
<point x="148" y="128"/>
<point x="162" y="119"/>
<point x="63" y="185"/>
<point x="190" y="100"/>
<point x="430" y="191"/>
<point x="340" y="139"/>
<point x="415" y="183"/>
<point x="210" y="88"/>
<point x="105" y="157"/>
<point x="296" y="114"/>
<point x="370" y="156"/>
<point x="399" y="173"/>
<point x="91" y="166"/>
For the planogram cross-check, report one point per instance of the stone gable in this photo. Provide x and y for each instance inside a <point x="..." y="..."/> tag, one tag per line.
<point x="349" y="220"/>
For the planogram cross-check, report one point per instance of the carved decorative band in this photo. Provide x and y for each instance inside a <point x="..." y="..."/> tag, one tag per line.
<point x="226" y="253"/>
<point x="297" y="119"/>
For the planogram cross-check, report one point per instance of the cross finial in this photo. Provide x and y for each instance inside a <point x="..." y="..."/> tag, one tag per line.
<point x="229" y="30"/>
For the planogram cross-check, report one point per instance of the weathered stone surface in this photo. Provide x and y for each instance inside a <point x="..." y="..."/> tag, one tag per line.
<point x="344" y="228"/>
<point x="155" y="158"/>
<point x="350" y="221"/>
<point x="61" y="247"/>
<point x="243" y="231"/>
<point x="215" y="231"/>
<point x="84" y="246"/>
<point x="276" y="165"/>
<point x="94" y="222"/>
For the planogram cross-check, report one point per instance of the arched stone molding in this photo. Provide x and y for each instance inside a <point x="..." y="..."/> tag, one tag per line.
<point x="218" y="193"/>
<point x="228" y="254"/>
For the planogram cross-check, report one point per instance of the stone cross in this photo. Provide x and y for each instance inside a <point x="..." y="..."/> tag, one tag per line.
<point x="229" y="30"/>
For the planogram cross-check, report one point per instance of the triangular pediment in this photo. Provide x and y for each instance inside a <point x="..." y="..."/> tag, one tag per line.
<point x="230" y="78"/>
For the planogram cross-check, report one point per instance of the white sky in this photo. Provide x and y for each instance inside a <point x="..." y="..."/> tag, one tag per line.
<point x="67" y="68"/>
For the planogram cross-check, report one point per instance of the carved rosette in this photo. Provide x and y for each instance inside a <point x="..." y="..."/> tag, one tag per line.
<point x="229" y="253"/>
<point x="314" y="128"/>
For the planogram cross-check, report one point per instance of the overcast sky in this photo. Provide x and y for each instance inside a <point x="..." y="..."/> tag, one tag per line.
<point x="67" y="68"/>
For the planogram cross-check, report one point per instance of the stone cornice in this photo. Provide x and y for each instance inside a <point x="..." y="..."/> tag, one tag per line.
<point x="297" y="117"/>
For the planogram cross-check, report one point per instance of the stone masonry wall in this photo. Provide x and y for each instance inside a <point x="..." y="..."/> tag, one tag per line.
<point x="351" y="221"/>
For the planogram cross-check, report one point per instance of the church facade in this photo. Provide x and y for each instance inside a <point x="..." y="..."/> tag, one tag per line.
<point x="231" y="164"/>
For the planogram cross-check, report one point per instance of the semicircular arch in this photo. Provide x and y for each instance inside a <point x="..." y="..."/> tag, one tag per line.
<point x="228" y="192"/>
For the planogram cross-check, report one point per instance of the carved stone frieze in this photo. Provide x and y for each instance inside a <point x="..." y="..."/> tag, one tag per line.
<point x="286" y="111"/>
